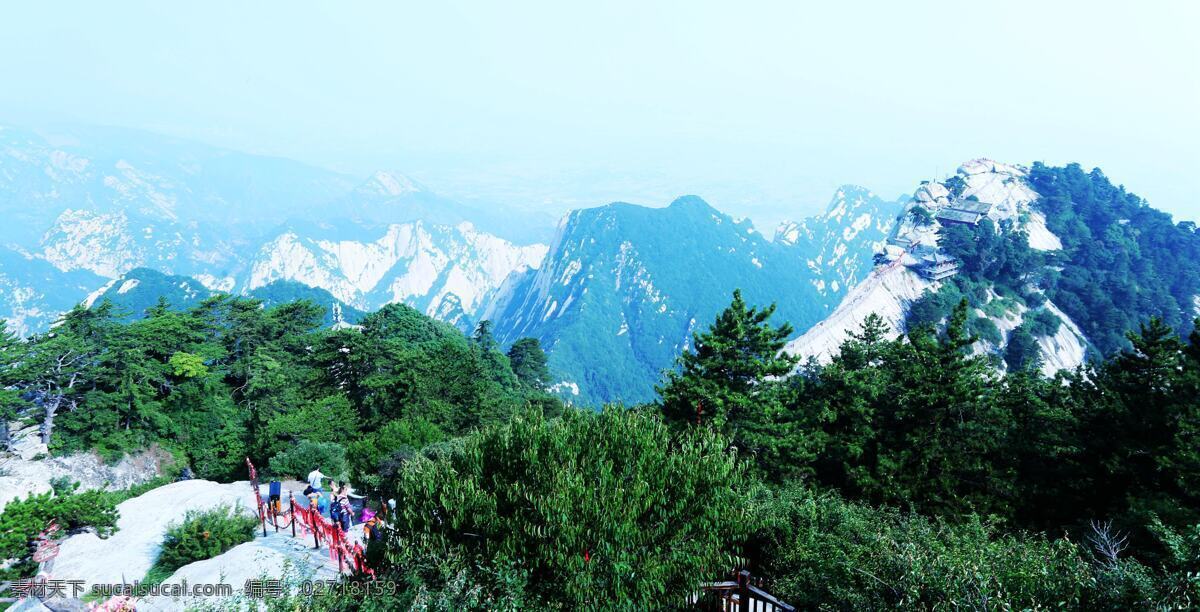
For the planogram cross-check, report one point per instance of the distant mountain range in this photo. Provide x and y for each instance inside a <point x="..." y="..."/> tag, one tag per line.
<point x="614" y="292"/>
<point x="624" y="287"/>
<point x="91" y="204"/>
<point x="140" y="289"/>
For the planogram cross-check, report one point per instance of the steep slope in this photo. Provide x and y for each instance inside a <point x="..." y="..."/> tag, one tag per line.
<point x="914" y="268"/>
<point x="130" y="552"/>
<point x="1122" y="261"/>
<point x="33" y="292"/>
<point x="887" y="291"/>
<point x="624" y="286"/>
<point x="444" y="271"/>
<point x="388" y="197"/>
<point x="109" y="201"/>
<point x="141" y="288"/>
<point x="839" y="244"/>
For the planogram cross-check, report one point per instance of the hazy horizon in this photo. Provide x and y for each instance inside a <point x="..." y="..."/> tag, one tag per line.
<point x="763" y="111"/>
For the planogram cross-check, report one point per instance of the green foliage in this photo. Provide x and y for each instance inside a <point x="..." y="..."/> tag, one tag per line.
<point x="933" y="307"/>
<point x="1124" y="261"/>
<point x="920" y="215"/>
<point x="984" y="329"/>
<point x="187" y="365"/>
<point x="592" y="508"/>
<point x="1034" y="299"/>
<point x="987" y="252"/>
<point x="918" y="423"/>
<point x="378" y="455"/>
<point x="529" y="363"/>
<point x="1181" y="580"/>
<point x="228" y="379"/>
<point x="204" y="535"/>
<point x="1022" y="352"/>
<point x="1142" y="420"/>
<point x="825" y="553"/>
<point x="929" y="309"/>
<point x="724" y="381"/>
<point x="955" y="185"/>
<point x="999" y="307"/>
<point x="23" y="519"/>
<point x="571" y="509"/>
<point x="12" y="351"/>
<point x="299" y="460"/>
<point x="406" y="365"/>
<point x="329" y="419"/>
<point x="1042" y="322"/>
<point x="927" y="405"/>
<point x="118" y="496"/>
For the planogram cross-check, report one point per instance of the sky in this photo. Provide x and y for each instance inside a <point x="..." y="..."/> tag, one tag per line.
<point x="763" y="108"/>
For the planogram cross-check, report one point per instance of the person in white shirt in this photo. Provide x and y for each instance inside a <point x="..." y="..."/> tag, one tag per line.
<point x="314" y="481"/>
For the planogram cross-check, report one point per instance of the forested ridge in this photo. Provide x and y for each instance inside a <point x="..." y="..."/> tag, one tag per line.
<point x="1122" y="261"/>
<point x="906" y="473"/>
<point x="230" y="379"/>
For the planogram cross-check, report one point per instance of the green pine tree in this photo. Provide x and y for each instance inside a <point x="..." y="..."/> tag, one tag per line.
<point x="528" y="362"/>
<point x="722" y="377"/>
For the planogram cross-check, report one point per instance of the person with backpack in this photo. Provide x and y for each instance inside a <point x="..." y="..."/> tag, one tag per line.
<point x="370" y="522"/>
<point x="339" y="507"/>
<point x="334" y="507"/>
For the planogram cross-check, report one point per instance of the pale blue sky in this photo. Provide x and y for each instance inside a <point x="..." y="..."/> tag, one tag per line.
<point x="761" y="107"/>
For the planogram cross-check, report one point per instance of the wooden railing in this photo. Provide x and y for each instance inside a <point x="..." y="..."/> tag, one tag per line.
<point x="745" y="594"/>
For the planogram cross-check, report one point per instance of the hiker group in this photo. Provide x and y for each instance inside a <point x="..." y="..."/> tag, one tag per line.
<point x="337" y="505"/>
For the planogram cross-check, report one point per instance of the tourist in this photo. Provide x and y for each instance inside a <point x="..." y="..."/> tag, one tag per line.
<point x="314" y="481"/>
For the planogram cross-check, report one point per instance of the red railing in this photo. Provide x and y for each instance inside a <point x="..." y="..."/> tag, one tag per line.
<point x="309" y="521"/>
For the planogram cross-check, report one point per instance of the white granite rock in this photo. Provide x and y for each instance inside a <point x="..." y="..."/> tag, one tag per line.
<point x="128" y="554"/>
<point x="277" y="556"/>
<point x="28" y="471"/>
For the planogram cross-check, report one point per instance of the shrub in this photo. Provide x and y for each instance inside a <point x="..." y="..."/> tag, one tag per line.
<point x="1034" y="299"/>
<point x="584" y="510"/>
<point x="933" y="307"/>
<point x="330" y="419"/>
<point x="827" y="553"/>
<point x="204" y="535"/>
<point x="985" y="329"/>
<point x="393" y="443"/>
<point x="24" y="519"/>
<point x="116" y="497"/>
<point x="1042" y="322"/>
<point x="62" y="485"/>
<point x="999" y="307"/>
<point x="298" y="461"/>
<point x="977" y="292"/>
<point x="920" y="215"/>
<point x="212" y="431"/>
<point x="1022" y="351"/>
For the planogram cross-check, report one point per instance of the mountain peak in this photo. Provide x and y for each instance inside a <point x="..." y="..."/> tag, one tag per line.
<point x="690" y="201"/>
<point x="982" y="165"/>
<point x="389" y="184"/>
<point x="847" y="199"/>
